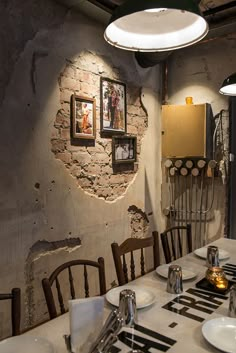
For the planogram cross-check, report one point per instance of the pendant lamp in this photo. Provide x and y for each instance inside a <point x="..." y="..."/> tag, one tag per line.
<point x="228" y="87"/>
<point x="156" y="25"/>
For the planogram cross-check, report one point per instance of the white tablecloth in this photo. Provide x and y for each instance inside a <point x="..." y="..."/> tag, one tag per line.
<point x="161" y="317"/>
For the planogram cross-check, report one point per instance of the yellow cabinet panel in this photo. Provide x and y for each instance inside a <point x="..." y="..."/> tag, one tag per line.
<point x="186" y="130"/>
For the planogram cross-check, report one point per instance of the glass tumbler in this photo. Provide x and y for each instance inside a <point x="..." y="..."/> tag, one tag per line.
<point x="127" y="307"/>
<point x="212" y="259"/>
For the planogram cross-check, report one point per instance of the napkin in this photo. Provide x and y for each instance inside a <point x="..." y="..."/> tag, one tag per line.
<point x="86" y="320"/>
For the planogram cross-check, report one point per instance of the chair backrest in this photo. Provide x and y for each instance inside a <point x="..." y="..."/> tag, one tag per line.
<point x="129" y="248"/>
<point x="176" y="242"/>
<point x="15" y="297"/>
<point x="85" y="266"/>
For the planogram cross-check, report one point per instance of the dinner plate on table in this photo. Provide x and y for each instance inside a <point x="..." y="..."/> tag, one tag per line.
<point x="202" y="252"/>
<point x="186" y="274"/>
<point x="221" y="333"/>
<point x="26" y="344"/>
<point x="144" y="296"/>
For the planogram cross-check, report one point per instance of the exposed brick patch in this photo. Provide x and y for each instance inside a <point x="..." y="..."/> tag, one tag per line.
<point x="139" y="222"/>
<point x="90" y="164"/>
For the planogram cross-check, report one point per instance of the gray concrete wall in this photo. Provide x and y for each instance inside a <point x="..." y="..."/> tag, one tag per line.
<point x="198" y="72"/>
<point x="46" y="218"/>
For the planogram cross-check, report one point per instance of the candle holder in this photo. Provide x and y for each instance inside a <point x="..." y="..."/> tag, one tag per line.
<point x="216" y="276"/>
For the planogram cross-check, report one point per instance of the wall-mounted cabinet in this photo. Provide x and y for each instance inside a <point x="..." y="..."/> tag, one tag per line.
<point x="186" y="131"/>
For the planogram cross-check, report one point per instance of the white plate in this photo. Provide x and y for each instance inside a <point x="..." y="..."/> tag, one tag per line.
<point x="26" y="344"/>
<point x="144" y="296"/>
<point x="202" y="252"/>
<point x="221" y="333"/>
<point x="163" y="271"/>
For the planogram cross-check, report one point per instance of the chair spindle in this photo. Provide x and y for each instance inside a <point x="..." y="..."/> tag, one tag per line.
<point x="60" y="297"/>
<point x="132" y="266"/>
<point x="72" y="289"/>
<point x="86" y="285"/>
<point x="142" y="263"/>
<point x="125" y="269"/>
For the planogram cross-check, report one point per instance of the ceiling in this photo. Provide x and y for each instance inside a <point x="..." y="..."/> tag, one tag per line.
<point x="220" y="15"/>
<point x="215" y="11"/>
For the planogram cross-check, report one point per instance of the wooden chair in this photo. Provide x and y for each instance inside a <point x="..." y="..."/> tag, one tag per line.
<point x="176" y="241"/>
<point x="127" y="248"/>
<point x="55" y="282"/>
<point x="15" y="297"/>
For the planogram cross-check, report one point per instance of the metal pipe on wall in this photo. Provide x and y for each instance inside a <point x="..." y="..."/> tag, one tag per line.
<point x="165" y="82"/>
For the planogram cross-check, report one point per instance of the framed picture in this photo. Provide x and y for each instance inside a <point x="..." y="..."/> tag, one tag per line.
<point x="124" y="149"/>
<point x="83" y="117"/>
<point x="113" y="106"/>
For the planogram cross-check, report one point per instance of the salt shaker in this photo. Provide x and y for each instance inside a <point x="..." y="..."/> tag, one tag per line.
<point x="232" y="301"/>
<point x="127" y="307"/>
<point x="212" y="259"/>
<point x="174" y="281"/>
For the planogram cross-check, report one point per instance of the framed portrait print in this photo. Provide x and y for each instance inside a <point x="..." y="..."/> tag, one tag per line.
<point x="83" y="117"/>
<point x="124" y="149"/>
<point x="113" y="106"/>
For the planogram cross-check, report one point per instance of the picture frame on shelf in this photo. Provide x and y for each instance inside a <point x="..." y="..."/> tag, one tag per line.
<point x="113" y="106"/>
<point x="83" y="117"/>
<point x="124" y="149"/>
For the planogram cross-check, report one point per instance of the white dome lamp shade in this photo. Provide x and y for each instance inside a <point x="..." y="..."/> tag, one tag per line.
<point x="156" y="25"/>
<point x="228" y="87"/>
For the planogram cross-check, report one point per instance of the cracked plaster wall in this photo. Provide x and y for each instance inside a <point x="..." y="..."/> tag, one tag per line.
<point x="39" y="257"/>
<point x="40" y="201"/>
<point x="16" y="31"/>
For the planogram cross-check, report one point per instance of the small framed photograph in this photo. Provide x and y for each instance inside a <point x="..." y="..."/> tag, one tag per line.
<point x="83" y="117"/>
<point x="124" y="149"/>
<point x="113" y="106"/>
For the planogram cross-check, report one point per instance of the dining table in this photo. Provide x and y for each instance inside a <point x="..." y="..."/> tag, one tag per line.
<point x="169" y="322"/>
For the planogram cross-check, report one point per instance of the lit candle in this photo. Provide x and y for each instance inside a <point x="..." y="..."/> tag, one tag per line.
<point x="221" y="284"/>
